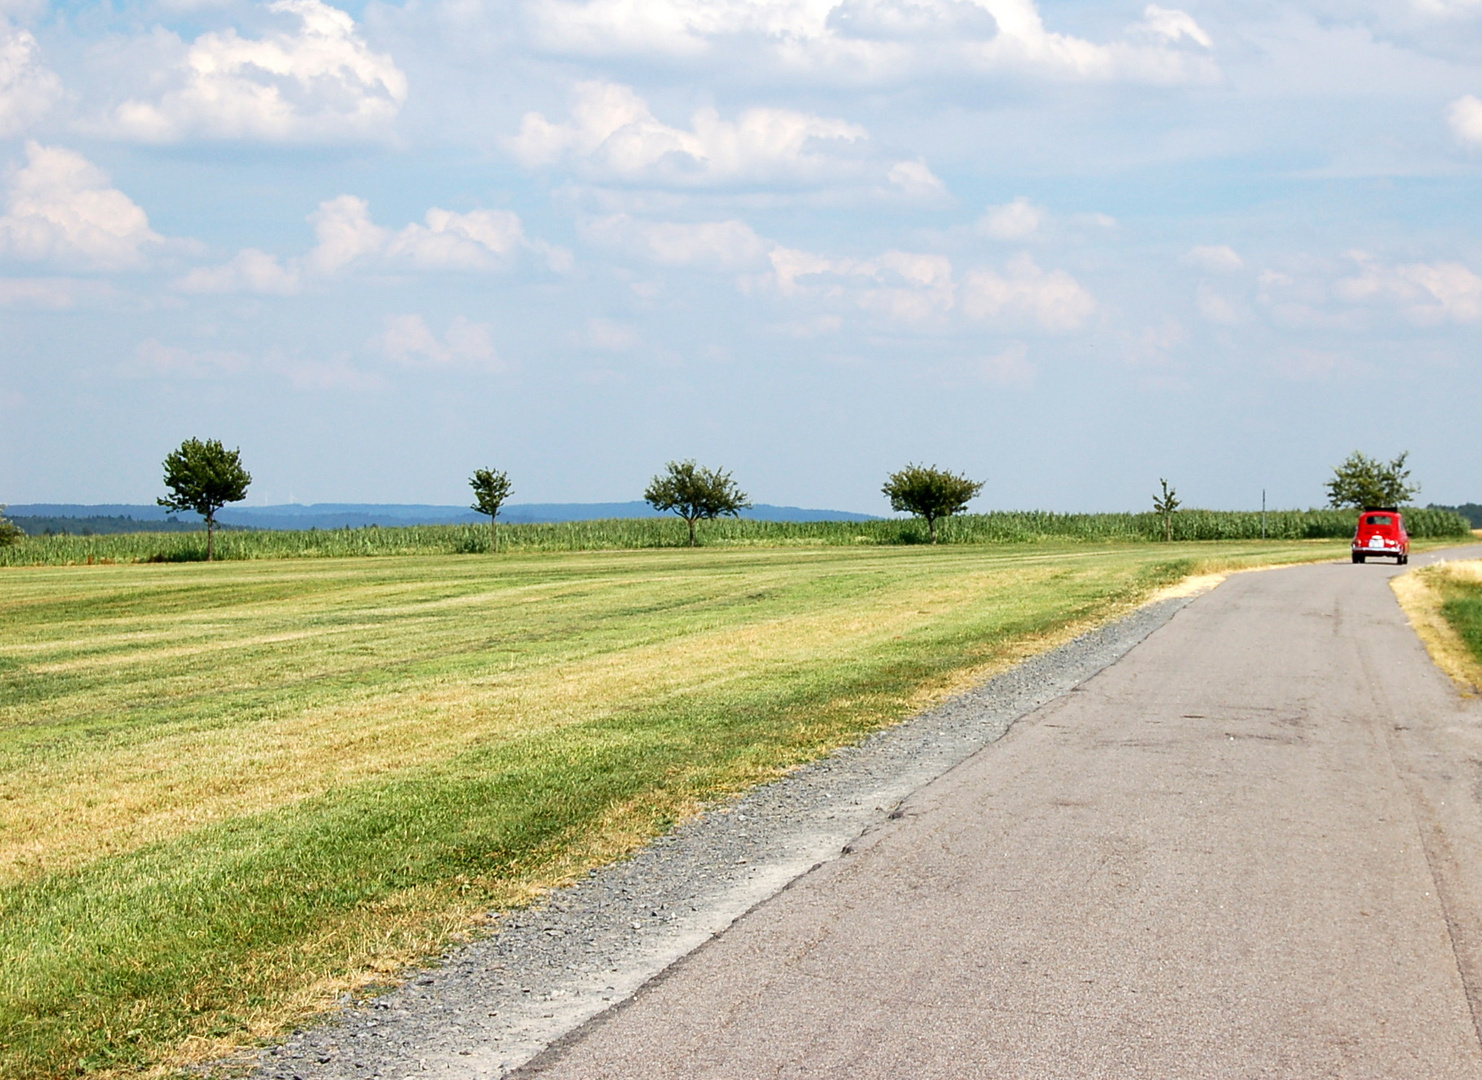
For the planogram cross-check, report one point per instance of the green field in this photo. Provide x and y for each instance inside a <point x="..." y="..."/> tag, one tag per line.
<point x="1001" y="527"/>
<point x="228" y="792"/>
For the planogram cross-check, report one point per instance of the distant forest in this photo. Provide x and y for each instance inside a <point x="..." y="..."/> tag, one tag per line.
<point x="1471" y="511"/>
<point x="107" y="526"/>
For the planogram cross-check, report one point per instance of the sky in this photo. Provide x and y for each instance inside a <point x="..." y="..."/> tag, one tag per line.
<point x="1066" y="248"/>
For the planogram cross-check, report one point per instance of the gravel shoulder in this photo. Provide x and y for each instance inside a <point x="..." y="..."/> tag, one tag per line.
<point x="495" y="1004"/>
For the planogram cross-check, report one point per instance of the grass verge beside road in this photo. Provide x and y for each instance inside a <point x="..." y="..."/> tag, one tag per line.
<point x="230" y="792"/>
<point x="1444" y="604"/>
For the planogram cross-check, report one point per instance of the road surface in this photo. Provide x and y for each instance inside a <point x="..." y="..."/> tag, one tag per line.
<point x="1250" y="848"/>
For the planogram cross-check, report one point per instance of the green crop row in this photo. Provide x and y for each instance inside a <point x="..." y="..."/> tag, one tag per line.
<point x="1001" y="527"/>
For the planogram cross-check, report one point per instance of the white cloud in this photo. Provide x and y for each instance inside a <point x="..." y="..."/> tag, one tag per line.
<point x="317" y="81"/>
<point x="612" y="135"/>
<point x="1215" y="308"/>
<point x="666" y="27"/>
<point x="910" y="20"/>
<point x="610" y="335"/>
<point x="60" y="207"/>
<point x="1154" y="347"/>
<point x="863" y="41"/>
<point x="336" y="373"/>
<point x="38" y="294"/>
<point x="914" y="179"/>
<point x="1426" y="293"/>
<point x="1051" y="299"/>
<point x="51" y="294"/>
<point x="348" y="237"/>
<point x="250" y="271"/>
<point x="1447" y="8"/>
<point x="474" y="241"/>
<point x="27" y="89"/>
<point x="1172" y="26"/>
<point x="1272" y="282"/>
<point x="153" y="359"/>
<point x="1012" y="221"/>
<point x="1216" y="258"/>
<point x="901" y="286"/>
<point x="1465" y="117"/>
<point x="816" y="326"/>
<point x="1008" y="368"/>
<point x="725" y="245"/>
<point x="346" y="234"/>
<point x="408" y="341"/>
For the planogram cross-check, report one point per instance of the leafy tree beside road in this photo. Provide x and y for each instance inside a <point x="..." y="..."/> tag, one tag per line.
<point x="1363" y="482"/>
<point x="490" y="488"/>
<point x="204" y="477"/>
<point x="930" y="493"/>
<point x="10" y="532"/>
<point x="694" y="492"/>
<point x="1166" y="504"/>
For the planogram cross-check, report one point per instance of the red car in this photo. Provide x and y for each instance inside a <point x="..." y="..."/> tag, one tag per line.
<point x="1381" y="533"/>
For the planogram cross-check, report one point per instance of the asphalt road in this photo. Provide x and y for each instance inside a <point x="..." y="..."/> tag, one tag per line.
<point x="1250" y="848"/>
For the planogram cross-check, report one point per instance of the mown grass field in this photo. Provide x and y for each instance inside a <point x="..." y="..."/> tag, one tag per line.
<point x="229" y="792"/>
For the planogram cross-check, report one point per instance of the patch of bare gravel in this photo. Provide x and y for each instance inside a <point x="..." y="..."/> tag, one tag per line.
<point x="494" y="1004"/>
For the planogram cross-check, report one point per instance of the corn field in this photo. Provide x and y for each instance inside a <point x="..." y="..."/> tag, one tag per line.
<point x="1002" y="527"/>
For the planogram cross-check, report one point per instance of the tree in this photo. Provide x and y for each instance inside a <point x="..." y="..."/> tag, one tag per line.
<point x="694" y="492"/>
<point x="204" y="477"/>
<point x="10" y="532"/>
<point x="490" y="488"/>
<point x="930" y="493"/>
<point x="1166" y="504"/>
<point x="1363" y="482"/>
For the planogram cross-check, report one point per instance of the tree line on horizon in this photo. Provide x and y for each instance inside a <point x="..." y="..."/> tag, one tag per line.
<point x="697" y="493"/>
<point x="203" y="476"/>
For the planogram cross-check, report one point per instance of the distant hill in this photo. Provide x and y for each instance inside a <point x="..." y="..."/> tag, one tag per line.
<point x="39" y="518"/>
<point x="104" y="525"/>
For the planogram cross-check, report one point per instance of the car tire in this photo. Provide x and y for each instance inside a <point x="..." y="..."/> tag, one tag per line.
<point x="1404" y="559"/>
<point x="1357" y="557"/>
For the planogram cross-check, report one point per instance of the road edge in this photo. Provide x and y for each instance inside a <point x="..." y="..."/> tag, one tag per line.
<point x="498" y="1003"/>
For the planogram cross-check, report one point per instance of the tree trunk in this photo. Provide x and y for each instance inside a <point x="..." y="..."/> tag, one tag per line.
<point x="931" y="523"/>
<point x="1168" y="526"/>
<point x="210" y="528"/>
<point x="691" y="522"/>
<point x="493" y="535"/>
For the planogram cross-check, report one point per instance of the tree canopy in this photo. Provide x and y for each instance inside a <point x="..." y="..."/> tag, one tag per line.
<point x="930" y="493"/>
<point x="1363" y="482"/>
<point x="1165" y="504"/>
<point x="10" y="532"/>
<point x="204" y="477"/>
<point x="490" y="488"/>
<point x="694" y="492"/>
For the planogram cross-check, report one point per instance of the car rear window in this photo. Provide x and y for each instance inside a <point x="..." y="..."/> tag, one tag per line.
<point x="1379" y="519"/>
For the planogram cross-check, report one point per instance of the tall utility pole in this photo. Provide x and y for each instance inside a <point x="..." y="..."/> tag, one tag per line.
<point x="1263" y="513"/>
